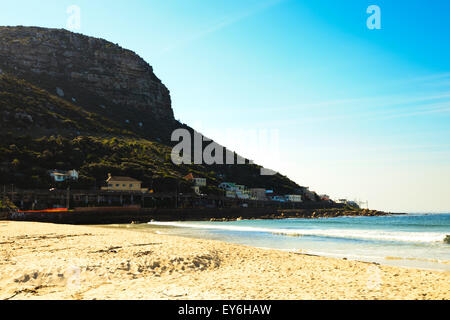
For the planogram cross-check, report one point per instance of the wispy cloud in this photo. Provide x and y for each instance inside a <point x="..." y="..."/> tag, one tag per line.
<point x="430" y="109"/>
<point x="377" y="108"/>
<point x="413" y="99"/>
<point x="221" y="24"/>
<point x="370" y="102"/>
<point x="437" y="77"/>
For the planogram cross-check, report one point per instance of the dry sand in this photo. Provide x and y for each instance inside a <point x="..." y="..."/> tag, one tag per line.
<point x="46" y="261"/>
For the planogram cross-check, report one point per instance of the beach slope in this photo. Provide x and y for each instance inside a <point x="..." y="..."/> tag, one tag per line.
<point x="47" y="261"/>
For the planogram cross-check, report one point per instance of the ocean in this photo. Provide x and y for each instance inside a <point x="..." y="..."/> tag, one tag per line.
<point x="413" y="240"/>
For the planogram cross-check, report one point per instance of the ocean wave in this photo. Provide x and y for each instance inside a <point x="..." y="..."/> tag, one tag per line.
<point x="400" y="236"/>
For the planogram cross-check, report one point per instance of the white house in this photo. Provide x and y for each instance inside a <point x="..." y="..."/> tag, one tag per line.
<point x="228" y="186"/>
<point x="279" y="198"/>
<point x="233" y="190"/>
<point x="61" y="176"/>
<point x="115" y="183"/>
<point x="293" y="198"/>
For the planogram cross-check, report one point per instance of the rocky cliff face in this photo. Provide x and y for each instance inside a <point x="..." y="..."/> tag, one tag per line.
<point x="71" y="101"/>
<point x="77" y="63"/>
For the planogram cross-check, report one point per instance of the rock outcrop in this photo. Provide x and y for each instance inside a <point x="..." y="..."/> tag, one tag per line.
<point x="83" y="63"/>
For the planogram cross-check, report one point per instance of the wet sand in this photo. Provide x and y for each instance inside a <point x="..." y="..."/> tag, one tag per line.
<point x="47" y="261"/>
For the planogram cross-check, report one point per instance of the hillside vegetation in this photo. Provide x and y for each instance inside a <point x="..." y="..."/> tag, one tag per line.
<point x="34" y="125"/>
<point x="68" y="101"/>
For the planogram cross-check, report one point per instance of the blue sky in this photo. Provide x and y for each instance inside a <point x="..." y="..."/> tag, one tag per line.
<point x="356" y="113"/>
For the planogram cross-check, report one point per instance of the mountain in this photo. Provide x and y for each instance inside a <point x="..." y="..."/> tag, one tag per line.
<point x="96" y="75"/>
<point x="69" y="101"/>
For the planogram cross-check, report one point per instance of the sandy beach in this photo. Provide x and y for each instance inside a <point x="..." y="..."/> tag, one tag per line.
<point x="46" y="261"/>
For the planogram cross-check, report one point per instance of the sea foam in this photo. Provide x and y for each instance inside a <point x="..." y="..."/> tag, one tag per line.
<point x="382" y="235"/>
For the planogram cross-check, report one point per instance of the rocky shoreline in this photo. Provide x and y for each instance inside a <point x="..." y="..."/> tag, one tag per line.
<point x="118" y="215"/>
<point x="315" y="214"/>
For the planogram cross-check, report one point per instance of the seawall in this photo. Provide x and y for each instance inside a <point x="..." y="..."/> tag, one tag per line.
<point x="113" y="215"/>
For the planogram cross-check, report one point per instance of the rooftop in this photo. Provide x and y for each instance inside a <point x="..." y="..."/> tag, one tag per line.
<point x="123" y="179"/>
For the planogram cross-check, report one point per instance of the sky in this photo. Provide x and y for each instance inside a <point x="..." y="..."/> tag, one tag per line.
<point x="302" y="87"/>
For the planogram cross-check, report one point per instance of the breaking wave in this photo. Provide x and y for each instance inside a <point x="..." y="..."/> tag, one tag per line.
<point x="380" y="235"/>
